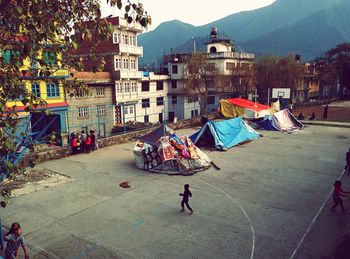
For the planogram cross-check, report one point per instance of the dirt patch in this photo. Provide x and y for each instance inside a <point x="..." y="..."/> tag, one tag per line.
<point x="33" y="180"/>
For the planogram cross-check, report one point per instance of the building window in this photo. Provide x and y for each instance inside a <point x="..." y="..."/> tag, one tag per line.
<point x="50" y="58"/>
<point x="192" y="99"/>
<point x="82" y="93"/>
<point x="52" y="90"/>
<point x="174" y="69"/>
<point x="83" y="112"/>
<point x="145" y="86"/>
<point x="160" y="85"/>
<point x="119" y="87"/>
<point x="160" y="101"/>
<point x="194" y="113"/>
<point x="173" y="84"/>
<point x="134" y="40"/>
<point x="133" y="87"/>
<point x="230" y="66"/>
<point x="133" y="64"/>
<point x="145" y="103"/>
<point x="125" y="39"/>
<point x="36" y="89"/>
<point x="116" y="37"/>
<point x="9" y="56"/>
<point x="101" y="109"/>
<point x="118" y="63"/>
<point x="127" y="87"/>
<point x="131" y="109"/>
<point x="146" y="118"/>
<point x="210" y="99"/>
<point x="126" y="63"/>
<point x="100" y="91"/>
<point x="126" y="110"/>
<point x="34" y="63"/>
<point x="174" y="99"/>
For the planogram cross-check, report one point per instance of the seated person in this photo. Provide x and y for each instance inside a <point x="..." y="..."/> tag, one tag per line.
<point x="313" y="116"/>
<point x="301" y="116"/>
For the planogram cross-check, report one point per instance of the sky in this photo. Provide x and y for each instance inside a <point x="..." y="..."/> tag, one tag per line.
<point x="195" y="12"/>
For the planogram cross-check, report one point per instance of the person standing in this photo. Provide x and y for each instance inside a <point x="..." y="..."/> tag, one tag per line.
<point x="14" y="241"/>
<point x="83" y="140"/>
<point x="338" y="192"/>
<point x="94" y="145"/>
<point x="185" y="198"/>
<point x="87" y="144"/>
<point x="325" y="112"/>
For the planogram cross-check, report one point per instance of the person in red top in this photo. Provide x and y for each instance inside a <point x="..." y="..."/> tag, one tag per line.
<point x="337" y="193"/>
<point x="87" y="143"/>
<point x="75" y="145"/>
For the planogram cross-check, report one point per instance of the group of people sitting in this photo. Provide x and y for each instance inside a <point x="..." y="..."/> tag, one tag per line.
<point x="83" y="142"/>
<point x="301" y="116"/>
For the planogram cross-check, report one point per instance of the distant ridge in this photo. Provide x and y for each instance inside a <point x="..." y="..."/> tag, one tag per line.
<point x="308" y="27"/>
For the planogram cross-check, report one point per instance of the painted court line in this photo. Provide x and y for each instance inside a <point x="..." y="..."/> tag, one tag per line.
<point x="242" y="209"/>
<point x="313" y="221"/>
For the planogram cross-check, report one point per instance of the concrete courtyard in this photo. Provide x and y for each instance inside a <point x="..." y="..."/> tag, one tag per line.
<point x="261" y="204"/>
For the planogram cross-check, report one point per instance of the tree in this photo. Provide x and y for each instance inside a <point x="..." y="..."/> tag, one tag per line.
<point x="41" y="32"/>
<point x="242" y="79"/>
<point x="200" y="77"/>
<point x="274" y="72"/>
<point x="338" y="59"/>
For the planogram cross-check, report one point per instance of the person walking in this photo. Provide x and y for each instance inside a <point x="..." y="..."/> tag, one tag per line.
<point x="338" y="192"/>
<point x="347" y="166"/>
<point x="325" y="112"/>
<point x="14" y="240"/>
<point x="185" y="198"/>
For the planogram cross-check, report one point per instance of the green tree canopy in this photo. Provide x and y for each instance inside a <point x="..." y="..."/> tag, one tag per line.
<point x="42" y="31"/>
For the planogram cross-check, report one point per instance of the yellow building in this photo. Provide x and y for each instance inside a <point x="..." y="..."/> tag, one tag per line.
<point x="47" y="87"/>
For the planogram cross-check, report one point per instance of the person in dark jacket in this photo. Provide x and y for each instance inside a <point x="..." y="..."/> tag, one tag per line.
<point x="185" y="197"/>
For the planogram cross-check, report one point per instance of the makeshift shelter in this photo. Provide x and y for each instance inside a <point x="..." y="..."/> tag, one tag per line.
<point x="163" y="151"/>
<point x="224" y="134"/>
<point x="239" y="107"/>
<point x="283" y="121"/>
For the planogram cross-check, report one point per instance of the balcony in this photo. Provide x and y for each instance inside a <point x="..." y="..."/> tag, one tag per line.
<point x="133" y="26"/>
<point x="35" y="73"/>
<point x="230" y="55"/>
<point x="130" y="49"/>
<point x="128" y="97"/>
<point x="132" y="74"/>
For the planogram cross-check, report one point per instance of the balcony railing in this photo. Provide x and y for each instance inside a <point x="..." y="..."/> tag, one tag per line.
<point x="130" y="49"/>
<point x="236" y="55"/>
<point x="132" y="74"/>
<point x="133" y="26"/>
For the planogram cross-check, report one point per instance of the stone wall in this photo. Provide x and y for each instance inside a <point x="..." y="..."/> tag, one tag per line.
<point x="54" y="152"/>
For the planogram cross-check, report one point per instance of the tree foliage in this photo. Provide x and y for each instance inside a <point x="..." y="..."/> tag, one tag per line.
<point x="28" y="28"/>
<point x="200" y="77"/>
<point x="337" y="61"/>
<point x="274" y="72"/>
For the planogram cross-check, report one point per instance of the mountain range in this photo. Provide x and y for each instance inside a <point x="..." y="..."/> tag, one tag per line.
<point x="305" y="27"/>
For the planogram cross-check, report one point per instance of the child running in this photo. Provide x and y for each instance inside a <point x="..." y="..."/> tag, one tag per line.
<point x="187" y="193"/>
<point x="337" y="193"/>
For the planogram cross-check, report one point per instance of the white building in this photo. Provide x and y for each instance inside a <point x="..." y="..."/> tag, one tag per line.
<point x="221" y="52"/>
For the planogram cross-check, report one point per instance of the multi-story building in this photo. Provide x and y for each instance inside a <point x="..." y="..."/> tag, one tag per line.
<point x="154" y="102"/>
<point x="121" y="53"/>
<point x="49" y="88"/>
<point x="228" y="62"/>
<point x="91" y="108"/>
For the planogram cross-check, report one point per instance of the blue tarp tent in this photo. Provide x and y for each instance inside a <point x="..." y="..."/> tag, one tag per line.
<point x="224" y="134"/>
